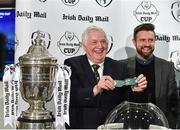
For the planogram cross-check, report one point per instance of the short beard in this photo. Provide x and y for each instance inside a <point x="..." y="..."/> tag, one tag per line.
<point x="145" y="56"/>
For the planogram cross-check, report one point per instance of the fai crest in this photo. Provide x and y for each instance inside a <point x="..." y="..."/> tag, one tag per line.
<point x="69" y="35"/>
<point x="104" y="3"/>
<point x="175" y="10"/>
<point x="175" y="57"/>
<point x="42" y="1"/>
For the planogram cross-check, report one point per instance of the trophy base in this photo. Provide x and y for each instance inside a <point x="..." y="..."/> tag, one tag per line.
<point x="35" y="126"/>
<point x="25" y="122"/>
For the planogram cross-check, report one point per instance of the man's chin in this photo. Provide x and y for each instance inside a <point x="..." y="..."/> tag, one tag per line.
<point x="146" y="56"/>
<point x="100" y="60"/>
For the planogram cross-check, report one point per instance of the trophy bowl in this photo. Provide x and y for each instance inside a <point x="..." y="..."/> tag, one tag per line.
<point x="130" y="115"/>
<point x="38" y="69"/>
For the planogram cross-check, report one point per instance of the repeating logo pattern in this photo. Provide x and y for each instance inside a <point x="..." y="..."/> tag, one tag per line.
<point x="146" y="12"/>
<point x="42" y="1"/>
<point x="104" y="3"/>
<point x="70" y="2"/>
<point x="69" y="43"/>
<point x="175" y="57"/>
<point x="175" y="10"/>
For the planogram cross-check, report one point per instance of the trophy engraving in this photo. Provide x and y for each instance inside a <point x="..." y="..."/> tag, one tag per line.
<point x="38" y="69"/>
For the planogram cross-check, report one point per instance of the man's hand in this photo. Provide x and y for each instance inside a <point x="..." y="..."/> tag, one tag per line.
<point x="141" y="84"/>
<point x="105" y="82"/>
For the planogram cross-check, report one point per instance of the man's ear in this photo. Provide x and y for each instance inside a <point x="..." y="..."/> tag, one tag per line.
<point x="83" y="46"/>
<point x="134" y="42"/>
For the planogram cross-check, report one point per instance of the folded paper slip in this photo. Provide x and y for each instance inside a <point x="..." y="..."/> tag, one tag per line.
<point x="126" y="82"/>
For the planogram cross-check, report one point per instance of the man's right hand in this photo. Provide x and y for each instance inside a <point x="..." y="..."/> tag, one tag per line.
<point x="105" y="83"/>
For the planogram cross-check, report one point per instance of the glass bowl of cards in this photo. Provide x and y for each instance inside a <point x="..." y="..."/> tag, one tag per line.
<point x="129" y="115"/>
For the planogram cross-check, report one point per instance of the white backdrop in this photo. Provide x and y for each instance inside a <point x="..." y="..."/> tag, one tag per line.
<point x="62" y="22"/>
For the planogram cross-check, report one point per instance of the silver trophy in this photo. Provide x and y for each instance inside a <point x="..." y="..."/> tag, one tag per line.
<point x="37" y="81"/>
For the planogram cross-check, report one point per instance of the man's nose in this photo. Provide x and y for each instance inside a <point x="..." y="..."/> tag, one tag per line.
<point x="147" y="42"/>
<point x="99" y="44"/>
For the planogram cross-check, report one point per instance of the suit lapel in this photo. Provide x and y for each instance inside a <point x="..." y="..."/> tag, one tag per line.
<point x="131" y="66"/>
<point x="158" y="73"/>
<point x="87" y="68"/>
<point x="107" y="67"/>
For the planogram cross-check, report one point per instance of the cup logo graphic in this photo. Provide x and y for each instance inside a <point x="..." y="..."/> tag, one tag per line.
<point x="146" y="12"/>
<point x="69" y="43"/>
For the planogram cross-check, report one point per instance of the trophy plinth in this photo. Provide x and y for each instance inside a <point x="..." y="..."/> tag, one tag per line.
<point x="37" y="83"/>
<point x="34" y="120"/>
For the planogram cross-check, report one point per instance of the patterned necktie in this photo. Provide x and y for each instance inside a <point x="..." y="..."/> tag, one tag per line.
<point x="96" y="67"/>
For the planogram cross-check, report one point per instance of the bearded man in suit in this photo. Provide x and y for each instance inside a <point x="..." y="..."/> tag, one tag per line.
<point x="160" y="75"/>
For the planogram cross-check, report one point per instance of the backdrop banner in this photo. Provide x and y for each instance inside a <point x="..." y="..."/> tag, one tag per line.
<point x="61" y="23"/>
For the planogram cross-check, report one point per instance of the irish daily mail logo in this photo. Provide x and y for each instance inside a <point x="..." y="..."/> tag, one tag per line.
<point x="70" y="2"/>
<point x="104" y="3"/>
<point x="146" y="12"/>
<point x="69" y="44"/>
<point x="175" y="57"/>
<point x="175" y="10"/>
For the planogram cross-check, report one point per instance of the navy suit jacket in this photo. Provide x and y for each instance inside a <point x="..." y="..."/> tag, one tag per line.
<point x="166" y="93"/>
<point x="87" y="111"/>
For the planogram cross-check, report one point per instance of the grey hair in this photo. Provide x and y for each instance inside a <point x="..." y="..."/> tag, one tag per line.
<point x="92" y="29"/>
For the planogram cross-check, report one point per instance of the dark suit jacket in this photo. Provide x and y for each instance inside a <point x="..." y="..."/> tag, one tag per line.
<point x="165" y="87"/>
<point x="87" y="111"/>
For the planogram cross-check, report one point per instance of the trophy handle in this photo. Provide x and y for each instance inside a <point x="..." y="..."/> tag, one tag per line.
<point x="40" y="35"/>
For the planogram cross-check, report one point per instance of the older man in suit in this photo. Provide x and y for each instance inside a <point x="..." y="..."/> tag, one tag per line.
<point x="93" y="95"/>
<point x="161" y="87"/>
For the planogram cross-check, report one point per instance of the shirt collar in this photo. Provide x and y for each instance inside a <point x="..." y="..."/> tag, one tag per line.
<point x="145" y="61"/>
<point x="101" y="64"/>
